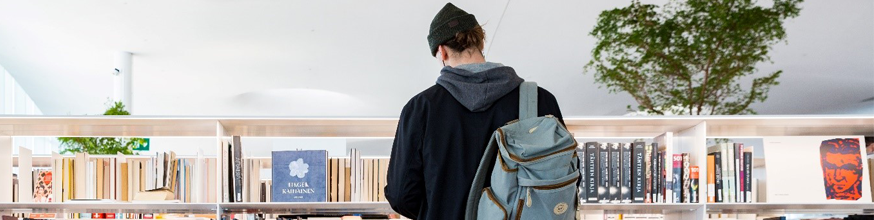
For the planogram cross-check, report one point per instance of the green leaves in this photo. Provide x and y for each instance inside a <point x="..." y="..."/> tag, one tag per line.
<point x="101" y="145"/>
<point x="688" y="57"/>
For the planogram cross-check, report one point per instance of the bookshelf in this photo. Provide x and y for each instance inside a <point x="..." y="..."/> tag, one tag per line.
<point x="685" y="134"/>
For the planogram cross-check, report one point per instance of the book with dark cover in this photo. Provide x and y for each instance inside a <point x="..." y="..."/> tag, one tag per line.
<point x="637" y="166"/>
<point x="687" y="183"/>
<point x="238" y="170"/>
<point x="603" y="173"/>
<point x="655" y="172"/>
<point x="625" y="187"/>
<point x="300" y="176"/>
<point x="648" y="169"/>
<point x="615" y="171"/>
<point x="592" y="174"/>
<point x="693" y="185"/>
<point x="229" y="178"/>
<point x="748" y="179"/>
<point x="581" y="157"/>
<point x="677" y="178"/>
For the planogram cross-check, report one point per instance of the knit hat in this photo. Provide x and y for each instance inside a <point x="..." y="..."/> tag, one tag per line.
<point x="448" y="22"/>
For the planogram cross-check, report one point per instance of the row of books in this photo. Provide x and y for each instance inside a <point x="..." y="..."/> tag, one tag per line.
<point x="730" y="173"/>
<point x="635" y="173"/>
<point x="301" y="176"/>
<point x="614" y="216"/>
<point x="28" y="216"/>
<point x="158" y="177"/>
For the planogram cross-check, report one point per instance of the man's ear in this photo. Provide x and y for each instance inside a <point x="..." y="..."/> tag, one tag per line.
<point x="441" y="52"/>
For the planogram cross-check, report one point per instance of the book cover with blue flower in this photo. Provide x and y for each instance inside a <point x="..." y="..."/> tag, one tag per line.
<point x="300" y="176"/>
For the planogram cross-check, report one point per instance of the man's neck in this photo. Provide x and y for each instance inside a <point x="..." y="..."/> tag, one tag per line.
<point x="462" y="59"/>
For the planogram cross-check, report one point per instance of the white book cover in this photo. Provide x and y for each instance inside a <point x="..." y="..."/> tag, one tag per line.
<point x="113" y="177"/>
<point x="25" y="175"/>
<point x="80" y="176"/>
<point x="6" y="187"/>
<point x="91" y="181"/>
<point x="816" y="169"/>
<point x="119" y="159"/>
<point x="57" y="176"/>
<point x="197" y="180"/>
<point x="732" y="184"/>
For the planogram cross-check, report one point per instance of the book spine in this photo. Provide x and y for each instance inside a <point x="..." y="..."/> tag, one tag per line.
<point x="739" y="172"/>
<point x="592" y="172"/>
<point x="625" y="189"/>
<point x="686" y="179"/>
<point x="638" y="175"/>
<point x="648" y="163"/>
<point x="655" y="172"/>
<point x="676" y="180"/>
<point x="663" y="182"/>
<point x="615" y="172"/>
<point x="748" y="165"/>
<point x="238" y="170"/>
<point x="711" y="179"/>
<point x="693" y="184"/>
<point x="604" y="173"/>
<point x="581" y="159"/>
<point x="726" y="174"/>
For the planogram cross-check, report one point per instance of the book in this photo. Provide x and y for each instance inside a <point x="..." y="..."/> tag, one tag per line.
<point x="299" y="176"/>
<point x="625" y="171"/>
<point x="237" y="159"/>
<point x="581" y="160"/>
<point x="825" y="169"/>
<point x="677" y="178"/>
<point x="42" y="187"/>
<point x="693" y="184"/>
<point x="711" y="178"/>
<point x="732" y="172"/>
<point x="604" y="173"/>
<point x="615" y="172"/>
<point x="738" y="164"/>
<point x="748" y="174"/>
<point x="638" y="173"/>
<point x="649" y="173"/>
<point x="592" y="170"/>
<point x="655" y="173"/>
<point x="687" y="183"/>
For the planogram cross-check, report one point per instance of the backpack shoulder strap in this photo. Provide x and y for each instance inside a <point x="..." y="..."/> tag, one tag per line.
<point x="527" y="100"/>
<point x="479" y="179"/>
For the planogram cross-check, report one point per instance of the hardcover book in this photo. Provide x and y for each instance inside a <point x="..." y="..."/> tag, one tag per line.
<point x="615" y="172"/>
<point x="824" y="169"/>
<point x="625" y="171"/>
<point x="637" y="166"/>
<point x="655" y="173"/>
<point x="748" y="174"/>
<point x="300" y="176"/>
<point x="648" y="169"/>
<point x="693" y="186"/>
<point x="711" y="179"/>
<point x="677" y="179"/>
<point x="237" y="163"/>
<point x="687" y="183"/>
<point x="581" y="156"/>
<point x="604" y="173"/>
<point x="592" y="175"/>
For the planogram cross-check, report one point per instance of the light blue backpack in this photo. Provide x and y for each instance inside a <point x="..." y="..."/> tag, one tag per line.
<point x="535" y="176"/>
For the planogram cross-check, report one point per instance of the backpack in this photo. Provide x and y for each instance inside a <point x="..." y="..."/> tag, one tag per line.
<point x="537" y="172"/>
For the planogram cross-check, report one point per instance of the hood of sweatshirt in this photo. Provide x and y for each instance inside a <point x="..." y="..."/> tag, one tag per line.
<point x="477" y="86"/>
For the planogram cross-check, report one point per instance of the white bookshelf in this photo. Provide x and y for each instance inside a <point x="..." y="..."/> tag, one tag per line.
<point x="682" y="134"/>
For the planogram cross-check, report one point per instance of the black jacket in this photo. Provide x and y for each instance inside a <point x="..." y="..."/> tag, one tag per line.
<point x="438" y="147"/>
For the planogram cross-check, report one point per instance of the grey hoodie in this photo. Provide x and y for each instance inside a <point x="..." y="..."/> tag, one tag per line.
<point x="478" y="85"/>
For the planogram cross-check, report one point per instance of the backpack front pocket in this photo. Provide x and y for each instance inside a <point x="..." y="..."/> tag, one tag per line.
<point x="490" y="207"/>
<point x="551" y="201"/>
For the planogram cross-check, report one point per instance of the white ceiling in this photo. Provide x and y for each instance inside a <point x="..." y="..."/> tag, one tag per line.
<point x="367" y="58"/>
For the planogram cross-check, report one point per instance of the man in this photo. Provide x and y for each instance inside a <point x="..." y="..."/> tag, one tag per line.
<point x="443" y="130"/>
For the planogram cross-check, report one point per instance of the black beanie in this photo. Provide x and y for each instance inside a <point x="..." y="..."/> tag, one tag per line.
<point x="448" y="22"/>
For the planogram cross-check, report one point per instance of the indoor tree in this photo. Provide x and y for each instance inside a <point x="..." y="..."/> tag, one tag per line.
<point x="689" y="57"/>
<point x="102" y="145"/>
